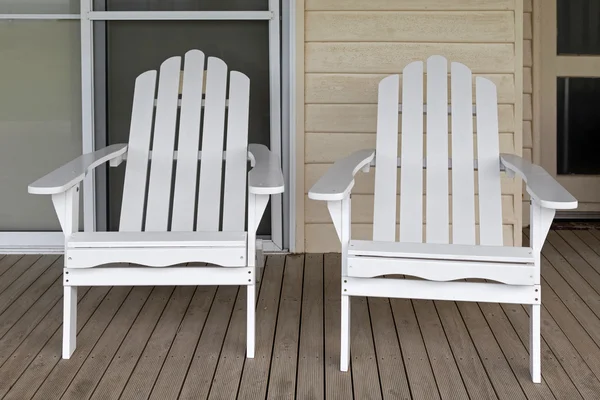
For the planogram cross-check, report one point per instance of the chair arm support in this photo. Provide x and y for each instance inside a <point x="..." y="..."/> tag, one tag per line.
<point x="266" y="177"/>
<point x="541" y="186"/>
<point x="70" y="174"/>
<point x="338" y="181"/>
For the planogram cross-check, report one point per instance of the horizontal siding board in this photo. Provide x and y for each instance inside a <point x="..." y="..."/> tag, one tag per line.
<point x="321" y="238"/>
<point x="362" y="88"/>
<point x="362" y="118"/>
<point x="328" y="148"/>
<point x="362" y="209"/>
<point x="364" y="182"/>
<point x="398" y="26"/>
<point x="422" y="5"/>
<point x="393" y="57"/>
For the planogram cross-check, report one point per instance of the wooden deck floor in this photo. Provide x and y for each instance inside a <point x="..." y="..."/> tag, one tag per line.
<point x="189" y="343"/>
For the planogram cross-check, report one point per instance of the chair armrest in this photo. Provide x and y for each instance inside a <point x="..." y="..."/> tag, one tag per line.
<point x="541" y="186"/>
<point x="70" y="174"/>
<point x="338" y="181"/>
<point x="266" y="177"/>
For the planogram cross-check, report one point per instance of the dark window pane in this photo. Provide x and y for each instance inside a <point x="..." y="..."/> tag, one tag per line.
<point x="138" y="46"/>
<point x="187" y="5"/>
<point x="578" y="26"/>
<point x="578" y="126"/>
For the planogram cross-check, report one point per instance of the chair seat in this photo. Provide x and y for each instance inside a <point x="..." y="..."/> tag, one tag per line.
<point x="156" y="249"/>
<point x="433" y="251"/>
<point x="441" y="262"/>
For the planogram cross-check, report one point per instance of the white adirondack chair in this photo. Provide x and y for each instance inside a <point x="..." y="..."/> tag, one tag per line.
<point x="157" y="233"/>
<point x="442" y="260"/>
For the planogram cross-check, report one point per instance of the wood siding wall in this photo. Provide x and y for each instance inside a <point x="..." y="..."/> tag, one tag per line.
<point x="351" y="44"/>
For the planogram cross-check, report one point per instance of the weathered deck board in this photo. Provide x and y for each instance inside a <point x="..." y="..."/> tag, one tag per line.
<point x="282" y="379"/>
<point x="311" y="370"/>
<point x="189" y="342"/>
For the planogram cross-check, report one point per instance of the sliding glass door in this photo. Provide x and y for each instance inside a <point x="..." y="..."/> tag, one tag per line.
<point x="40" y="112"/>
<point x="127" y="47"/>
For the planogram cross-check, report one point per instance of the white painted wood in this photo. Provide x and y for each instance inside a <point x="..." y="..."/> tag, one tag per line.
<point x="266" y="176"/>
<point x="441" y="270"/>
<point x="338" y="181"/>
<point x="384" y="210"/>
<point x="176" y="157"/>
<point x="411" y="176"/>
<point x="488" y="156"/>
<point x="250" y="318"/>
<point x="335" y="211"/>
<point x="434" y="251"/>
<point x="69" y="321"/>
<point x="156" y="239"/>
<point x="463" y="176"/>
<point x="173" y="276"/>
<point x="163" y="145"/>
<point x="184" y="196"/>
<point x="156" y="256"/>
<point x="541" y="186"/>
<point x="345" y="333"/>
<point x="136" y="171"/>
<point x="437" y="209"/>
<point x="346" y="233"/>
<point x="454" y="291"/>
<point x="73" y="172"/>
<point x="441" y="266"/>
<point x="66" y="206"/>
<point x="213" y="131"/>
<point x="535" y="343"/>
<point x="259" y="202"/>
<point x="97" y="258"/>
<point x="236" y="164"/>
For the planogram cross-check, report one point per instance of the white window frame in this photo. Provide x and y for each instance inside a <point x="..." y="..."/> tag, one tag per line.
<point x="282" y="113"/>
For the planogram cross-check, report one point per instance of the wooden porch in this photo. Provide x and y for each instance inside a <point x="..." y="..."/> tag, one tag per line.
<point x="189" y="343"/>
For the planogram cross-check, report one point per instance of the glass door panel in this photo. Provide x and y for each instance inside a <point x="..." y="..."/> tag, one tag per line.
<point x="40" y="115"/>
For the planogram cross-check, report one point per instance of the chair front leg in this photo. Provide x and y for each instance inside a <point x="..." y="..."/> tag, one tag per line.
<point x="66" y="205"/>
<point x="540" y="222"/>
<point x="340" y="212"/>
<point x="256" y="208"/>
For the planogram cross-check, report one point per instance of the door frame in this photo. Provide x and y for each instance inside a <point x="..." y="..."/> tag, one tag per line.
<point x="281" y="94"/>
<point x="547" y="66"/>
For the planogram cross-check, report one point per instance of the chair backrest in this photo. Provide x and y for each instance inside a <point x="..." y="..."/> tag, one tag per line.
<point x="471" y="169"/>
<point x="178" y="149"/>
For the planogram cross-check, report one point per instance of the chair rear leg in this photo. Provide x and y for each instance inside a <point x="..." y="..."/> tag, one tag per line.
<point x="69" y="321"/>
<point x="535" y="344"/>
<point x="250" y="323"/>
<point x="345" y="334"/>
